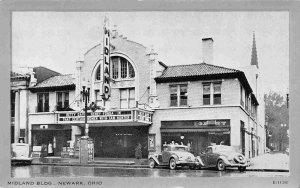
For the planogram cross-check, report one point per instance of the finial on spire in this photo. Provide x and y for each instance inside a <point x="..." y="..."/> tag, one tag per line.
<point x="254" y="60"/>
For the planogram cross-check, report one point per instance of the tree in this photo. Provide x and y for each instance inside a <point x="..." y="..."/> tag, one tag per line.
<point x="278" y="119"/>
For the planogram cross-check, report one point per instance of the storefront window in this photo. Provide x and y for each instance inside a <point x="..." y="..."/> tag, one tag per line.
<point x="43" y="102"/>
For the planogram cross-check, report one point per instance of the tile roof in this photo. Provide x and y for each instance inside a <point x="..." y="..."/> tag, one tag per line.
<point x="56" y="81"/>
<point x="193" y="70"/>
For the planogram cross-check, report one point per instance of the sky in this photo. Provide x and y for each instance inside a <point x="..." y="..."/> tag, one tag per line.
<point x="58" y="39"/>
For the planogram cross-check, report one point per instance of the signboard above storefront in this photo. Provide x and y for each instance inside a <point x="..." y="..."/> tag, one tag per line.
<point x="109" y="116"/>
<point x="196" y="124"/>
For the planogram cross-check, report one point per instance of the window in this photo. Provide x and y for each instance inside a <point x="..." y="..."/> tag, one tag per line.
<point x="62" y="101"/>
<point x="131" y="71"/>
<point x="212" y="93"/>
<point x="242" y="97"/>
<point x="183" y="95"/>
<point x="173" y="95"/>
<point x="98" y="73"/>
<point x="115" y="68"/>
<point x="178" y="95"/>
<point x="246" y="101"/>
<point x="206" y="94"/>
<point x="127" y="98"/>
<point x="98" y="97"/>
<point x="43" y="102"/>
<point x="217" y="93"/>
<point x="12" y="104"/>
<point x="122" y="68"/>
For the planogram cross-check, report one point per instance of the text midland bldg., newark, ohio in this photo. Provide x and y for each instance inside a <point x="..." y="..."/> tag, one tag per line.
<point x="150" y="103"/>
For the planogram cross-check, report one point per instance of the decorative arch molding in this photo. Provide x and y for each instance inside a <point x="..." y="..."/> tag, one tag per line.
<point x="117" y="54"/>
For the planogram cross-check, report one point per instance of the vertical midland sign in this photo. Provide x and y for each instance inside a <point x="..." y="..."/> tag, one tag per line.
<point x="106" y="62"/>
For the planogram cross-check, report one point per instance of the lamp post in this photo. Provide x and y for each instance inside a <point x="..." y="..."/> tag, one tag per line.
<point x="86" y="97"/>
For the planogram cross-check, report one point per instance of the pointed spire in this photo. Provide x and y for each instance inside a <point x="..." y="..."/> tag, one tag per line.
<point x="254" y="60"/>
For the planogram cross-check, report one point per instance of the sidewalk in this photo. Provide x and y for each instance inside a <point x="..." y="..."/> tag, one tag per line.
<point x="104" y="162"/>
<point x="274" y="161"/>
<point x="267" y="162"/>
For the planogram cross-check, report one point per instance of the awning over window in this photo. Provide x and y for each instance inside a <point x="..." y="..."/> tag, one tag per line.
<point x="193" y="130"/>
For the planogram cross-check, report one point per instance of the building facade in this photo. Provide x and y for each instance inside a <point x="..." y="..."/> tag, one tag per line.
<point x="150" y="104"/>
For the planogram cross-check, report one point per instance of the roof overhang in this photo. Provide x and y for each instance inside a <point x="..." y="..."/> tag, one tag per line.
<point x="53" y="88"/>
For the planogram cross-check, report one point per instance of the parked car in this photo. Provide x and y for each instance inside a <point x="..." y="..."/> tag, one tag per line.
<point x="268" y="150"/>
<point x="20" y="153"/>
<point x="222" y="156"/>
<point x="173" y="155"/>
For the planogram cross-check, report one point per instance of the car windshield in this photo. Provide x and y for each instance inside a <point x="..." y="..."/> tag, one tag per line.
<point x="180" y="148"/>
<point x="224" y="148"/>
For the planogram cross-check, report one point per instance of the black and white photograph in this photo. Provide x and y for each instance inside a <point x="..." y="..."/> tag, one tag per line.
<point x="148" y="94"/>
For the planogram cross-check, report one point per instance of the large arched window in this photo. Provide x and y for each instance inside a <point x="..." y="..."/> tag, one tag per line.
<point x="121" y="68"/>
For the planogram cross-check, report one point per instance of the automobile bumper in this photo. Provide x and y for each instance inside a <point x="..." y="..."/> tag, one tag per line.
<point x="185" y="163"/>
<point x="229" y="164"/>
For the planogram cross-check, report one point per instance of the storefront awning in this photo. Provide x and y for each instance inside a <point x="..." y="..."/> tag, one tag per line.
<point x="193" y="130"/>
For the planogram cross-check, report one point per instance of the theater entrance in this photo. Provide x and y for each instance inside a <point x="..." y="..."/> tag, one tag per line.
<point x="119" y="142"/>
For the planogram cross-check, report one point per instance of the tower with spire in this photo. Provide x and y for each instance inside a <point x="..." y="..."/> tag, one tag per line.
<point x="254" y="60"/>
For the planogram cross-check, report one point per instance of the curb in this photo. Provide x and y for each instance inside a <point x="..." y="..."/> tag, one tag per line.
<point x="139" y="166"/>
<point x="93" y="165"/>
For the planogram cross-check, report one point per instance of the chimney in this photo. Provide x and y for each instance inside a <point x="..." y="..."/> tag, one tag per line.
<point x="207" y="50"/>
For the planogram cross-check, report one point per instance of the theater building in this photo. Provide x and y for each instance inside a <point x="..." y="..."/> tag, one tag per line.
<point x="116" y="125"/>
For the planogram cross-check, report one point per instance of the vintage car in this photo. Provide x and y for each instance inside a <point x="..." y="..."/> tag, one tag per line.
<point x="173" y="155"/>
<point x="222" y="156"/>
<point x="20" y="154"/>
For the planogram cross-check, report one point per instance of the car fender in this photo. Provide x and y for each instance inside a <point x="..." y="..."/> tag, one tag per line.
<point x="200" y="161"/>
<point x="175" y="157"/>
<point x="226" y="161"/>
<point x="154" y="157"/>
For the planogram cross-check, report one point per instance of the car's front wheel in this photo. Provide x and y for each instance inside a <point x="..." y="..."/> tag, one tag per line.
<point x="172" y="164"/>
<point x="221" y="165"/>
<point x="152" y="163"/>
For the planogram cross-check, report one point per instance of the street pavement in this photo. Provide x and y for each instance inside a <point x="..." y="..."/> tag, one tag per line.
<point x="266" y="162"/>
<point x="51" y="171"/>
